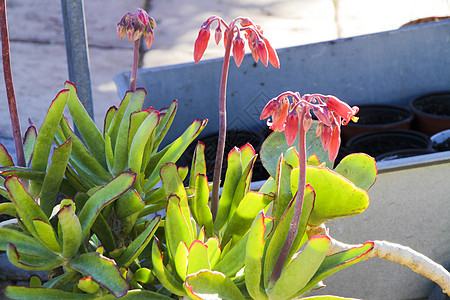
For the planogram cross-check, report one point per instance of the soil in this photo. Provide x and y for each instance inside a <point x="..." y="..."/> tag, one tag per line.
<point x="438" y="105"/>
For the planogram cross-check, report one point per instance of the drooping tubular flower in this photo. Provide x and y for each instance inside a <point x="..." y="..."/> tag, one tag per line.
<point x="241" y="29"/>
<point x="135" y="25"/>
<point x="329" y="110"/>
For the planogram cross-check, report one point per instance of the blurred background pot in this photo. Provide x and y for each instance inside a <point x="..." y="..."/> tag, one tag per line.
<point x="441" y="141"/>
<point x="432" y="112"/>
<point x="378" y="117"/>
<point x="380" y="142"/>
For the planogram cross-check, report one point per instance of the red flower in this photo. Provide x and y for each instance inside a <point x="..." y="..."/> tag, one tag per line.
<point x="291" y="128"/>
<point x="201" y="43"/>
<point x="261" y="51"/>
<point x="238" y="50"/>
<point x="342" y="109"/>
<point x="273" y="57"/>
<point x="218" y="35"/>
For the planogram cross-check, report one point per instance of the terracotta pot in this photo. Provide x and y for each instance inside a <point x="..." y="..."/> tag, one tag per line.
<point x="380" y="142"/>
<point x="377" y="117"/>
<point x="432" y="112"/>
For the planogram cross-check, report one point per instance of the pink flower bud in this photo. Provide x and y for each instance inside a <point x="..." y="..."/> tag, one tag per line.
<point x="218" y="35"/>
<point x="261" y="51"/>
<point x="149" y="38"/>
<point x="138" y="33"/>
<point x="130" y="32"/>
<point x="238" y="50"/>
<point x="121" y="30"/>
<point x="273" y="57"/>
<point x="279" y="118"/>
<point x="291" y="128"/>
<point x="335" y="143"/>
<point x="269" y="109"/>
<point x="201" y="43"/>
<point x="142" y="16"/>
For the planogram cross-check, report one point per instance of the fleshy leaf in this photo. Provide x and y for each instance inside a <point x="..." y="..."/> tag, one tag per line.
<point x="172" y="152"/>
<point x="103" y="270"/>
<point x="253" y="258"/>
<point x="198" y="163"/>
<point x="5" y="158"/>
<point x="110" y="192"/>
<point x="301" y="269"/>
<point x="276" y="144"/>
<point x="164" y="276"/>
<point x="240" y="223"/>
<point x="28" y="143"/>
<point x="54" y="177"/>
<point x="32" y="262"/>
<point x="359" y="168"/>
<point x="138" y="245"/>
<point x="71" y="231"/>
<point x="233" y="260"/>
<point x="336" y="196"/>
<point x="199" y="205"/>
<point x="337" y="262"/>
<point x="24" y="243"/>
<point x="211" y="285"/>
<point x="86" y="126"/>
<point x="198" y="258"/>
<point x="26" y="293"/>
<point x="47" y="235"/>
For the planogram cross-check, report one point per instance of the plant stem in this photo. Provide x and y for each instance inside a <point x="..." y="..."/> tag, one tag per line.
<point x="222" y="128"/>
<point x="134" y="67"/>
<point x="403" y="255"/>
<point x="10" y="86"/>
<point x="293" y="228"/>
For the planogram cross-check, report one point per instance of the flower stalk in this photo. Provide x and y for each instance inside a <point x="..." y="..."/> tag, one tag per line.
<point x="14" y="115"/>
<point x="261" y="50"/>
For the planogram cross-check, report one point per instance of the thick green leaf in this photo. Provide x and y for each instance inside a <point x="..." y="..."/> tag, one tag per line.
<point x="32" y="262"/>
<point x="243" y="186"/>
<point x="102" y="270"/>
<point x="7" y="208"/>
<point x="47" y="235"/>
<point x="22" y="172"/>
<point x="233" y="260"/>
<point x="301" y="269"/>
<point x="121" y="145"/>
<point x="241" y="221"/>
<point x="71" y="231"/>
<point x="214" y="251"/>
<point x="115" y="123"/>
<point x="173" y="152"/>
<point x="165" y="123"/>
<point x="283" y="194"/>
<point x="178" y="226"/>
<point x="232" y="177"/>
<point x="109" y="117"/>
<point x="327" y="298"/>
<point x="180" y="260"/>
<point x="128" y="204"/>
<point x="164" y="276"/>
<point x="138" y="295"/>
<point x="253" y="258"/>
<point x="136" y="119"/>
<point x="54" y="177"/>
<point x="337" y="262"/>
<point x="276" y="144"/>
<point x="85" y="125"/>
<point x="5" y="159"/>
<point x="336" y="196"/>
<point x="45" y="136"/>
<point x="211" y="285"/>
<point x="138" y="146"/>
<point x="278" y="238"/>
<point x="26" y="293"/>
<point x="198" y="258"/>
<point x="27" y="209"/>
<point x="24" y="243"/>
<point x="138" y="245"/>
<point x="199" y="205"/>
<point x="105" y="195"/>
<point x="103" y="231"/>
<point x="81" y="157"/>
<point x="198" y="165"/>
<point x="359" y="168"/>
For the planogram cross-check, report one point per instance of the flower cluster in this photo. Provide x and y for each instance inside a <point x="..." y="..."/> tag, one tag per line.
<point x="136" y="25"/>
<point x="329" y="111"/>
<point x="241" y="29"/>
